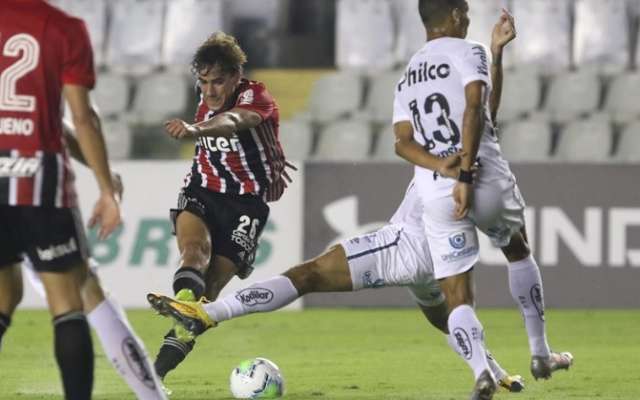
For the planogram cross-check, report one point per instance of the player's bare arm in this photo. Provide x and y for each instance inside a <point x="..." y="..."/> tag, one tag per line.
<point x="503" y="32"/>
<point x="225" y="124"/>
<point x="412" y="151"/>
<point x="106" y="212"/>
<point x="472" y="127"/>
<point x="74" y="151"/>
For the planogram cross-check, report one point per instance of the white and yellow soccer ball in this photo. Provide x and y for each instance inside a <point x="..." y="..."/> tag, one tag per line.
<point x="256" y="378"/>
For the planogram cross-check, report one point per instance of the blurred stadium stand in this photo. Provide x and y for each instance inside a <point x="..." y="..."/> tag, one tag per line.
<point x="571" y="92"/>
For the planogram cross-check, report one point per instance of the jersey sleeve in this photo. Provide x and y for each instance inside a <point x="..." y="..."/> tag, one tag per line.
<point x="474" y="64"/>
<point x="78" y="66"/>
<point x="399" y="111"/>
<point x="256" y="98"/>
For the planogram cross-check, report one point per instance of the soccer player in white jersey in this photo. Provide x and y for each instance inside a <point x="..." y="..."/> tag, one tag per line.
<point x="442" y="106"/>
<point x="395" y="255"/>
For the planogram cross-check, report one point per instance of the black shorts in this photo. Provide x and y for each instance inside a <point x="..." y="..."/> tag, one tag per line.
<point x="235" y="223"/>
<point x="52" y="238"/>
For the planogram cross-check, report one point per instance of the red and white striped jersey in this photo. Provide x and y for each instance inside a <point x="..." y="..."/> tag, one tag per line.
<point x="41" y="49"/>
<point x="250" y="162"/>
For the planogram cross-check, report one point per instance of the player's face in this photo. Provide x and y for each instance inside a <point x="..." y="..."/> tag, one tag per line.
<point x="217" y="86"/>
<point x="461" y="20"/>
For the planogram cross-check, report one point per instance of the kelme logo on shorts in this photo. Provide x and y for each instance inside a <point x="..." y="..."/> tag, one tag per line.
<point x="464" y="343"/>
<point x="458" y="241"/>
<point x="254" y="296"/>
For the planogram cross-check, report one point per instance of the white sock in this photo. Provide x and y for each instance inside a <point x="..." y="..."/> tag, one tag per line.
<point x="263" y="296"/>
<point x="525" y="285"/>
<point x="497" y="370"/>
<point x="125" y="351"/>
<point x="467" y="334"/>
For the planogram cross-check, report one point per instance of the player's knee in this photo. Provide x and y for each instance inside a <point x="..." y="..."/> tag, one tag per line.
<point x="195" y="252"/>
<point x="517" y="249"/>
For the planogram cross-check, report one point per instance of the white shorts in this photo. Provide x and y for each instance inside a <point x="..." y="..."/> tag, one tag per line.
<point x="498" y="212"/>
<point x="393" y="256"/>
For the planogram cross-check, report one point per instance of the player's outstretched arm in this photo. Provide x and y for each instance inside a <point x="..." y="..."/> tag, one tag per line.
<point x="503" y="32"/>
<point x="106" y="212"/>
<point x="225" y="124"/>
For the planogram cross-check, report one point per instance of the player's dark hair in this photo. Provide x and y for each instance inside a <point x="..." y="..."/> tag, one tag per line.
<point x="434" y="12"/>
<point x="221" y="50"/>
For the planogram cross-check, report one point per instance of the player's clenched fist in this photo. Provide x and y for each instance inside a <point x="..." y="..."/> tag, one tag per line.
<point x="178" y="129"/>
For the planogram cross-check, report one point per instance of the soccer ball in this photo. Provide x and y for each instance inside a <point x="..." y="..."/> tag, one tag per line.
<point x="257" y="378"/>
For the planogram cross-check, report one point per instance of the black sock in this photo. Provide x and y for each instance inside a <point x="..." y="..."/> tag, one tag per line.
<point x="189" y="278"/>
<point x="171" y="354"/>
<point x="74" y="354"/>
<point x="5" y="321"/>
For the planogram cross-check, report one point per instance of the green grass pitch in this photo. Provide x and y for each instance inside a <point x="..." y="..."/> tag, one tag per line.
<point x="351" y="354"/>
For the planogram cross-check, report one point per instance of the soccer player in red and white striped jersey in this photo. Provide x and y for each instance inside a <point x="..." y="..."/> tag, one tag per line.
<point x="44" y="55"/>
<point x="238" y="167"/>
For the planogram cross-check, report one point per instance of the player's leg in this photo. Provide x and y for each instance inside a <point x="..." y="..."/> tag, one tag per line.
<point x="174" y="350"/>
<point x="120" y="343"/>
<point x="194" y="244"/>
<point x="525" y="285"/>
<point x="73" y="346"/>
<point x="10" y="295"/>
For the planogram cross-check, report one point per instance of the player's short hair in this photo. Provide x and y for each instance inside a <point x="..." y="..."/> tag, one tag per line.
<point x="222" y="50"/>
<point x="434" y="12"/>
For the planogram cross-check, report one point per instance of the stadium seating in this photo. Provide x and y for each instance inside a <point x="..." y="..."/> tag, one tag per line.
<point x="379" y="103"/>
<point x="160" y="96"/>
<point x="135" y="37"/>
<point x="526" y="141"/>
<point x="364" y="34"/>
<point x="386" y="145"/>
<point x="586" y="140"/>
<point x="344" y="141"/>
<point x="188" y="23"/>
<point x="601" y="35"/>
<point x="111" y="94"/>
<point x="296" y="138"/>
<point x="94" y="13"/>
<point x="629" y="144"/>
<point x="544" y="33"/>
<point x="572" y="94"/>
<point x="484" y="16"/>
<point x="411" y="35"/>
<point x="521" y="93"/>
<point x="622" y="98"/>
<point x="334" y="96"/>
<point x="118" y="138"/>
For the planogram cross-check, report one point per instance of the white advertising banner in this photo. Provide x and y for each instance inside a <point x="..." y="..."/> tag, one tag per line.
<point x="142" y="255"/>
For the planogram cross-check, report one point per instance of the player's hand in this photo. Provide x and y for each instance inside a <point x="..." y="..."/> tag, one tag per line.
<point x="463" y="196"/>
<point x="118" y="187"/>
<point x="178" y="129"/>
<point x="106" y="215"/>
<point x="504" y="31"/>
<point x="449" y="167"/>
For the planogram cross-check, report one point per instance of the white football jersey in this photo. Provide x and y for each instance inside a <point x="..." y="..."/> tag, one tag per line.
<point x="431" y="95"/>
<point x="409" y="212"/>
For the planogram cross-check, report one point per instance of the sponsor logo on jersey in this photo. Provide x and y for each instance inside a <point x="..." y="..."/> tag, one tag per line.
<point x="246" y="97"/>
<point x="136" y="360"/>
<point x="424" y="73"/>
<point x="458" y="241"/>
<point x="219" y="143"/>
<point x="19" y="166"/>
<point x="242" y="239"/>
<point x="464" y="343"/>
<point x="16" y="126"/>
<point x="254" y="296"/>
<point x="57" y="251"/>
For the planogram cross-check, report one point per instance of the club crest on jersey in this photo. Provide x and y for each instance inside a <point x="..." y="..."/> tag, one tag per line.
<point x="246" y="97"/>
<point x="458" y="241"/>
<point x="219" y="143"/>
<point x="19" y="166"/>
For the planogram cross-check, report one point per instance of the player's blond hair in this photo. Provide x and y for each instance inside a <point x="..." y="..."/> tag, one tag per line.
<point x="221" y="50"/>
